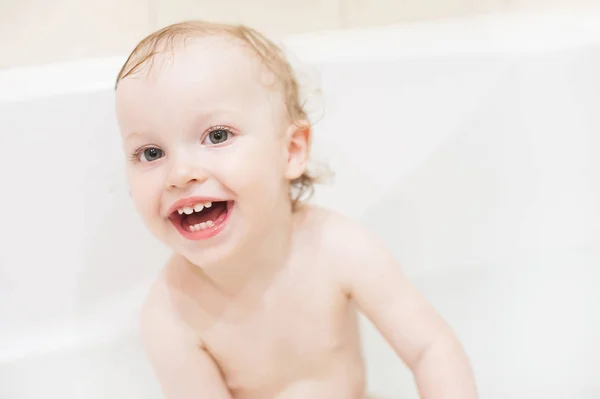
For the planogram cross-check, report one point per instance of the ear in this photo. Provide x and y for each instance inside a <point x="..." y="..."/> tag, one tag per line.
<point x="298" y="148"/>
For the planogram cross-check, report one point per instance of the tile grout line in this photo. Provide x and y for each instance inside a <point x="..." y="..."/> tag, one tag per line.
<point x="341" y="10"/>
<point x="152" y="15"/>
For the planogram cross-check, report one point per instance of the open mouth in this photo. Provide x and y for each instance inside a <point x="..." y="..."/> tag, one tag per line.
<point x="201" y="220"/>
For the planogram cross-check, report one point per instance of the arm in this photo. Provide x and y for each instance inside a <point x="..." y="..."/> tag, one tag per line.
<point x="419" y="336"/>
<point x="183" y="369"/>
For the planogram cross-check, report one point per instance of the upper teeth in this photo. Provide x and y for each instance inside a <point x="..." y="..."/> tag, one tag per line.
<point x="188" y="210"/>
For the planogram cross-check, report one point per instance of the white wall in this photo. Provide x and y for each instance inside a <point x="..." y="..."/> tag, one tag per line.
<point x="42" y="31"/>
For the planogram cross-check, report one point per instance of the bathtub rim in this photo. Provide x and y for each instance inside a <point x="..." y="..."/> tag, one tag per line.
<point x="485" y="34"/>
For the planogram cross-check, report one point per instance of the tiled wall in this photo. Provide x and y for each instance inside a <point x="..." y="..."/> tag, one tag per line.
<point x="41" y="31"/>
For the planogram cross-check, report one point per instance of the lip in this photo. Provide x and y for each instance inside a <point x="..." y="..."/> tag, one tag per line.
<point x="208" y="232"/>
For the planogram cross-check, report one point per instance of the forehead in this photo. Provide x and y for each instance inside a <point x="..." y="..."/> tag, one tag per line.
<point x="205" y="74"/>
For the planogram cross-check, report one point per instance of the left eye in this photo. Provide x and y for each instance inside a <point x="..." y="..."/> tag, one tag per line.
<point x="151" y="154"/>
<point x="217" y="136"/>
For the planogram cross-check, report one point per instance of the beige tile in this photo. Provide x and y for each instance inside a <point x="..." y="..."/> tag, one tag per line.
<point x="491" y="6"/>
<point x="41" y="31"/>
<point x="378" y="12"/>
<point x="274" y="17"/>
<point x="554" y="4"/>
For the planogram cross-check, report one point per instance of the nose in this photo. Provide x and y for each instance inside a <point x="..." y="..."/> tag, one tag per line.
<point x="184" y="172"/>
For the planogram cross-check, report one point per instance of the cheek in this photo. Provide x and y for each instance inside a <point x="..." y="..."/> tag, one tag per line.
<point x="144" y="193"/>
<point x="255" y="168"/>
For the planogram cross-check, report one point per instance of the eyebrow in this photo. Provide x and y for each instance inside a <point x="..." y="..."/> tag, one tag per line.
<point x="133" y="135"/>
<point x="201" y="118"/>
<point x="212" y="115"/>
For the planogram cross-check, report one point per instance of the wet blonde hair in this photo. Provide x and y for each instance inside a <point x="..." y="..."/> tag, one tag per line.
<point x="164" y="42"/>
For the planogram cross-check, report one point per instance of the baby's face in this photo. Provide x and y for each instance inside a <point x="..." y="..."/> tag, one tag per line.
<point x="206" y="148"/>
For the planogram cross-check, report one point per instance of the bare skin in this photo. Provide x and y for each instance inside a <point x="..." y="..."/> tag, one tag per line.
<point x="294" y="334"/>
<point x="267" y="307"/>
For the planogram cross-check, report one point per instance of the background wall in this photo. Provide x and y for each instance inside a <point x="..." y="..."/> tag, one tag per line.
<point x="42" y="31"/>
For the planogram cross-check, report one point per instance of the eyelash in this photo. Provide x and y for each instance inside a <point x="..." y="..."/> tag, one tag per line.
<point x="216" y="128"/>
<point x="135" y="156"/>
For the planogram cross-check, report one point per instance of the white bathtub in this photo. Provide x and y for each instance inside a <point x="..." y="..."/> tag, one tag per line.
<point x="471" y="146"/>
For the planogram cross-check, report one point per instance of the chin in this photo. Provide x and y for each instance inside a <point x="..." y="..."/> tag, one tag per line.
<point x="207" y="258"/>
<point x="213" y="252"/>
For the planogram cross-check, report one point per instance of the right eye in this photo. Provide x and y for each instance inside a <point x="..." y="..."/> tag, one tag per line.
<point x="151" y="154"/>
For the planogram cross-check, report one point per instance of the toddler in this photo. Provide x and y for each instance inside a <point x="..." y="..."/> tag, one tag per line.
<point x="260" y="297"/>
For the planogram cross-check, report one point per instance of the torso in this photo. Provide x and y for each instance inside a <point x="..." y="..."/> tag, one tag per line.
<point x="299" y="340"/>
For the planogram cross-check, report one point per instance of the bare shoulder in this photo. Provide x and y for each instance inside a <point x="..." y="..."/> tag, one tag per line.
<point x="159" y="325"/>
<point x="326" y="221"/>
<point x="347" y="245"/>
<point x="368" y="272"/>
<point x="341" y="236"/>
<point x="183" y="366"/>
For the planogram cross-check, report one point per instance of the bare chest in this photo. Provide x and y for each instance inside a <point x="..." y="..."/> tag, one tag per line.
<point x="299" y="332"/>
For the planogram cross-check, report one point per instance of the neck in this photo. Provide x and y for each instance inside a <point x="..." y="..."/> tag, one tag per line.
<point x="250" y="271"/>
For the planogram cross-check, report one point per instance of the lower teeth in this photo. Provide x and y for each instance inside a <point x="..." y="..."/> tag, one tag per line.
<point x="201" y="226"/>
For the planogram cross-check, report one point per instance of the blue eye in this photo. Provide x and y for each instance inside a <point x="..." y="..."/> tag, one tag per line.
<point x="218" y="136"/>
<point x="151" y="154"/>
